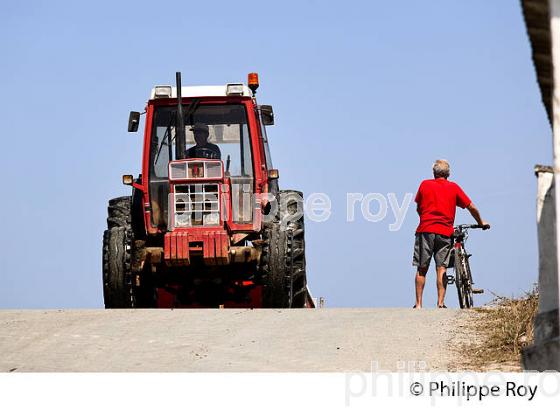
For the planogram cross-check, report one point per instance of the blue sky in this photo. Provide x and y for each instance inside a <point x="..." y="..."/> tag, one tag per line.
<point x="366" y="95"/>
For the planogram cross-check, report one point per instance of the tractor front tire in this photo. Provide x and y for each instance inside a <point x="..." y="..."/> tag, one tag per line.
<point x="117" y="277"/>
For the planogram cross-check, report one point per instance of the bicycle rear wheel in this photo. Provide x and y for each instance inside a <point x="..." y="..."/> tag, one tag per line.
<point x="463" y="279"/>
<point x="468" y="277"/>
<point x="458" y="279"/>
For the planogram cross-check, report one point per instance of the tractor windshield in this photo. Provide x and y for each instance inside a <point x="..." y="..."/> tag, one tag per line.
<point x="228" y="139"/>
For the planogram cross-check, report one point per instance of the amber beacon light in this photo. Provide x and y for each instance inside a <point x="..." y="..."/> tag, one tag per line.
<point x="253" y="81"/>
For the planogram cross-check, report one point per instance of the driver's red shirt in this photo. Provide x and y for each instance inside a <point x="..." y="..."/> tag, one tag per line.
<point x="437" y="200"/>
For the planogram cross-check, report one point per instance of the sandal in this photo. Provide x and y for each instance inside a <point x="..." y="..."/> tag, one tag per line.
<point x="442" y="307"/>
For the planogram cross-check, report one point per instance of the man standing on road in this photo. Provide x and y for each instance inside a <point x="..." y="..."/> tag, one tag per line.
<point x="436" y="202"/>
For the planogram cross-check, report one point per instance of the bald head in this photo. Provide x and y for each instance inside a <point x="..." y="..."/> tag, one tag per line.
<point x="441" y="168"/>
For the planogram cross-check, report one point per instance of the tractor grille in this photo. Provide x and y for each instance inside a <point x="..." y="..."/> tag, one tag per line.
<point x="195" y="205"/>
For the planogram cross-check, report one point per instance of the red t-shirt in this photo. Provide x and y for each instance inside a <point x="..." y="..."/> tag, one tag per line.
<point x="437" y="199"/>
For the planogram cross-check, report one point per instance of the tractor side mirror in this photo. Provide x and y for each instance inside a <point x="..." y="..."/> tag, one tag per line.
<point x="133" y="121"/>
<point x="267" y="114"/>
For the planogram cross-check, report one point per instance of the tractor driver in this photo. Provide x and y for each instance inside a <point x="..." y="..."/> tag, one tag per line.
<point x="203" y="148"/>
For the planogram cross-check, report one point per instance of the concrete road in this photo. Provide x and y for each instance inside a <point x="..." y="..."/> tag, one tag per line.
<point x="306" y="340"/>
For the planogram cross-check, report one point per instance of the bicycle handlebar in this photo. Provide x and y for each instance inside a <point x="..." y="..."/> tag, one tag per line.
<point x="472" y="226"/>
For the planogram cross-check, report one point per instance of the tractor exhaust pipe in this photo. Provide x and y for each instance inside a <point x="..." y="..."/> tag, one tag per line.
<point x="180" y="129"/>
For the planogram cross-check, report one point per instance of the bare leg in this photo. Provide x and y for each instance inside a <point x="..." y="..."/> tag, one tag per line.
<point x="441" y="284"/>
<point x="420" y="282"/>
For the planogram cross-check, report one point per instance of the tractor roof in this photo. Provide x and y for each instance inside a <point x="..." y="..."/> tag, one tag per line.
<point x="166" y="91"/>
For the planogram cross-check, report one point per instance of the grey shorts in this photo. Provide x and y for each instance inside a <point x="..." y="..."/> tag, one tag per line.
<point x="427" y="245"/>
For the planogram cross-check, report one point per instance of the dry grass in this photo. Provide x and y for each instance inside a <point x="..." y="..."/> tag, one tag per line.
<point x="502" y="328"/>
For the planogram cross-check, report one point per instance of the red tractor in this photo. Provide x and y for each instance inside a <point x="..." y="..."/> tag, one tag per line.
<point x="206" y="224"/>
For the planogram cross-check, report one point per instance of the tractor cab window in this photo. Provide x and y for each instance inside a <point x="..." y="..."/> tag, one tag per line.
<point x="228" y="139"/>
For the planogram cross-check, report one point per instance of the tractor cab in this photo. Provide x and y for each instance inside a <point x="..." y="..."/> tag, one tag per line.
<point x="223" y="157"/>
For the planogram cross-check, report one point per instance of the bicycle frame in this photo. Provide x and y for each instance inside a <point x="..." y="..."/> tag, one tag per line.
<point x="463" y="277"/>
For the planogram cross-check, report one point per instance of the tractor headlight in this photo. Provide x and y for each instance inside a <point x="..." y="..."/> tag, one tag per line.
<point x="234" y="89"/>
<point x="162" y="91"/>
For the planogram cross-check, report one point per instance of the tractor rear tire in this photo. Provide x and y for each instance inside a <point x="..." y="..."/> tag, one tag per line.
<point x="283" y="256"/>
<point x="119" y="212"/>
<point x="118" y="291"/>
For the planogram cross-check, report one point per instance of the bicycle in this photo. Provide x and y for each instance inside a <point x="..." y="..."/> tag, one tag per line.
<point x="460" y="262"/>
